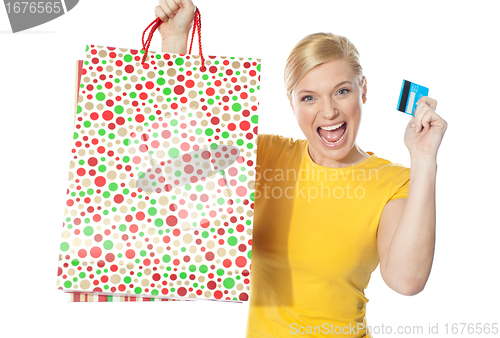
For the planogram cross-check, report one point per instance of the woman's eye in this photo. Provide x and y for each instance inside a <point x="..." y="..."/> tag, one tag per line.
<point x="343" y="91"/>
<point x="305" y="98"/>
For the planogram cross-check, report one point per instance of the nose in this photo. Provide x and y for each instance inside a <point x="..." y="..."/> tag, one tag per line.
<point x="328" y="108"/>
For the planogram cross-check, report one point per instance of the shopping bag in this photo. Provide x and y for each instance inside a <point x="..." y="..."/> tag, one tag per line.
<point x="161" y="176"/>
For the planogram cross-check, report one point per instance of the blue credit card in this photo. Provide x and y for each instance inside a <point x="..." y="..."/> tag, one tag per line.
<point x="410" y="94"/>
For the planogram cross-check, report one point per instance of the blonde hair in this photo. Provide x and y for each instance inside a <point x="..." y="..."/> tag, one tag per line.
<point x="316" y="49"/>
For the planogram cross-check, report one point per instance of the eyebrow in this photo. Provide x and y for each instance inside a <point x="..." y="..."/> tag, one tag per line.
<point x="310" y="91"/>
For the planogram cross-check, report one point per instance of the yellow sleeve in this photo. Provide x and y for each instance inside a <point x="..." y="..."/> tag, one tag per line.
<point x="263" y="141"/>
<point x="401" y="185"/>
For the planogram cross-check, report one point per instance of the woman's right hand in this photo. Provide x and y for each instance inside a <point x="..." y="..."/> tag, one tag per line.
<point x="177" y="17"/>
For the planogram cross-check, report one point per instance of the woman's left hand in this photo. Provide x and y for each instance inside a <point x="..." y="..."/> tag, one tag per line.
<point x="425" y="130"/>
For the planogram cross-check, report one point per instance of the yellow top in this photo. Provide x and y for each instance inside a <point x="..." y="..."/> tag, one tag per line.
<point x="314" y="240"/>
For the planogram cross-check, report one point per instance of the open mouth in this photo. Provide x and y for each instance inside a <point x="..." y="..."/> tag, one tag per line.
<point x="333" y="135"/>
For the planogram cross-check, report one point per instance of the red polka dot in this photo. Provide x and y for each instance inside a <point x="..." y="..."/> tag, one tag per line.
<point x="130" y="254"/>
<point x="82" y="253"/>
<point x="110" y="257"/>
<point x="80" y="172"/>
<point x="240" y="261"/>
<point x="118" y="198"/>
<point x="209" y="256"/>
<point x="210" y="91"/>
<point x="244" y="125"/>
<point x="129" y="69"/>
<point x="95" y="252"/>
<point x="179" y="89"/>
<point x="181" y="291"/>
<point x="171" y="220"/>
<point x="204" y="223"/>
<point x="218" y="294"/>
<point x="100" y="181"/>
<point x="211" y="285"/>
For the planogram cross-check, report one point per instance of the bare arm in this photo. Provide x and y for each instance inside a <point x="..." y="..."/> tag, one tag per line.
<point x="177" y="17"/>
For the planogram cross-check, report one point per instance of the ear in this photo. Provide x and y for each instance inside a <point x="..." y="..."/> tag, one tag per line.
<point x="364" y="88"/>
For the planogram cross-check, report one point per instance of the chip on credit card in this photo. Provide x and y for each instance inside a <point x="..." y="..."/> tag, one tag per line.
<point x="409" y="96"/>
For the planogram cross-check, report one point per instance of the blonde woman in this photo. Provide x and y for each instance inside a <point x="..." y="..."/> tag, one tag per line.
<point x="327" y="212"/>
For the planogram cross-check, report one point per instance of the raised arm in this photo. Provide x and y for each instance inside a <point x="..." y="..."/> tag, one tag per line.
<point x="177" y="17"/>
<point x="407" y="228"/>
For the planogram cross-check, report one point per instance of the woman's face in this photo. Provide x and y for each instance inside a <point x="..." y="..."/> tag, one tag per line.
<point x="330" y="95"/>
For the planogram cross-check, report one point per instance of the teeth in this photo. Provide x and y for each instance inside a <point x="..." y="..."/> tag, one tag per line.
<point x="332" y="127"/>
<point x="339" y="140"/>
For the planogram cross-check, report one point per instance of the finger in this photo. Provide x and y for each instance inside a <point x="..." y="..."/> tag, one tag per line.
<point x="174" y="5"/>
<point x="168" y="11"/>
<point x="426" y="121"/>
<point x="186" y="5"/>
<point x="428" y="100"/>
<point x="160" y="13"/>
<point x="421" y="112"/>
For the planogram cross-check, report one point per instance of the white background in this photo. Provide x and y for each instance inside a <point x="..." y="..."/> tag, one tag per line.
<point x="449" y="46"/>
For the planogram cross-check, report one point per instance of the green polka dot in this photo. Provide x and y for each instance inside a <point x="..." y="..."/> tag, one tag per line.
<point x="232" y="241"/>
<point x="119" y="109"/>
<point x="88" y="231"/>
<point x="158" y="222"/>
<point x="137" y="290"/>
<point x="209" y="131"/>
<point x="179" y="61"/>
<point x="64" y="246"/>
<point x="127" y="279"/>
<point x="127" y="58"/>
<point x="236" y="107"/>
<point x="113" y="186"/>
<point x="167" y="91"/>
<point x="67" y="284"/>
<point x="100" y="96"/>
<point x="228" y="283"/>
<point x="254" y="119"/>
<point x="220" y="272"/>
<point x="108" y="245"/>
<point x="160" y="81"/>
<point x="75" y="262"/>
<point x="249" y="254"/>
<point x="166" y="258"/>
<point x="173" y="152"/>
<point x="203" y="268"/>
<point x="152" y="211"/>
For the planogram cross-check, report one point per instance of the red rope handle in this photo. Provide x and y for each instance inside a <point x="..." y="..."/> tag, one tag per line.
<point x="145" y="45"/>
<point x="197" y="24"/>
<point x="157" y="22"/>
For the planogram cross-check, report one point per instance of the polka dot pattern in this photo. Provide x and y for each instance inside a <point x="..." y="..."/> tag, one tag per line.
<point x="161" y="177"/>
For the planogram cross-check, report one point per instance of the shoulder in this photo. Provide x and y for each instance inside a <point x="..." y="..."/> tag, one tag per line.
<point x="388" y="167"/>
<point x="275" y="144"/>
